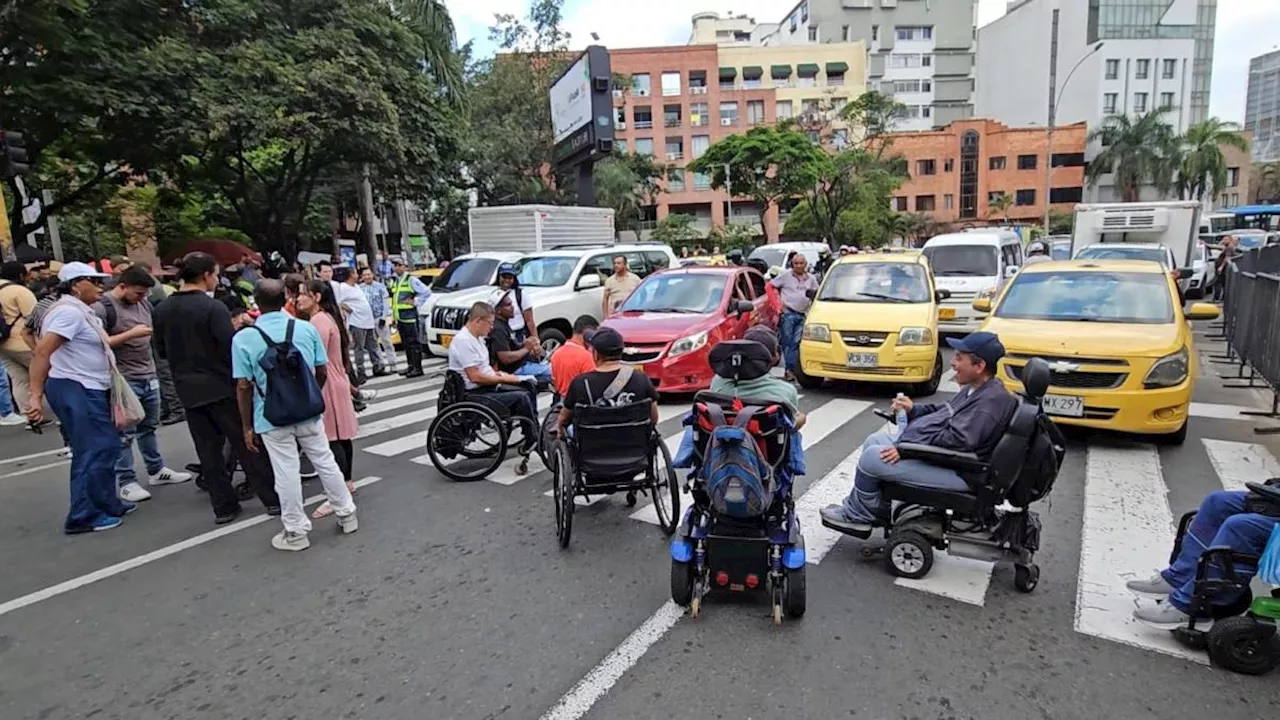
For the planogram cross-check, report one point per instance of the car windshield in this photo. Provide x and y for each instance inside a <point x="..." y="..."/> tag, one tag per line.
<point x="1060" y="250"/>
<point x="677" y="292"/>
<point x="465" y="273"/>
<point x="876" y="283"/>
<point x="1120" y="252"/>
<point x="1076" y="296"/>
<point x="962" y="260"/>
<point x="773" y="257"/>
<point x="549" y="271"/>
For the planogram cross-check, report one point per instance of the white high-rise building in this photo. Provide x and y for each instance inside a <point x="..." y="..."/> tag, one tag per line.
<point x="1262" y="107"/>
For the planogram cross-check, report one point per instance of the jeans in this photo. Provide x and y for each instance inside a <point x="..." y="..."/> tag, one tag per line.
<point x="95" y="445"/>
<point x="1222" y="520"/>
<point x="789" y="338"/>
<point x="171" y="409"/>
<point x="282" y="445"/>
<point x="365" y="341"/>
<point x="148" y="392"/>
<point x="6" y="401"/>
<point x="539" y="370"/>
<point x="863" y="502"/>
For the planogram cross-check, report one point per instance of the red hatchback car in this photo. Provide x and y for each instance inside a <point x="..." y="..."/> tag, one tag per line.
<point x="674" y="318"/>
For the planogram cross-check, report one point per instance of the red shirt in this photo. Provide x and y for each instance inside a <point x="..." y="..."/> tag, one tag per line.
<point x="567" y="363"/>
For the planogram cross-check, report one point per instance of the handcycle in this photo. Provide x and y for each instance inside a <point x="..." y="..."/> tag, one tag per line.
<point x="470" y="435"/>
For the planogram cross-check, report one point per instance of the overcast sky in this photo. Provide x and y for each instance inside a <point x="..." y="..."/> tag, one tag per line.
<point x="1246" y="28"/>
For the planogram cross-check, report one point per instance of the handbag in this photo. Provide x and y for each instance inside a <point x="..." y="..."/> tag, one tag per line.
<point x="126" y="409"/>
<point x="1269" y="564"/>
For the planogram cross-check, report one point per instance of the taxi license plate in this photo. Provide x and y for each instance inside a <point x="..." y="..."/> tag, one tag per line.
<point x="946" y="313"/>
<point x="1065" y="405"/>
<point x="445" y="340"/>
<point x="863" y="360"/>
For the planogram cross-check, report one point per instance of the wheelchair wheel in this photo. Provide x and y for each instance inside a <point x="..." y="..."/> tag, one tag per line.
<point x="908" y="555"/>
<point x="467" y="441"/>
<point x="563" y="480"/>
<point x="793" y="595"/>
<point x="1026" y="577"/>
<point x="1245" y="645"/>
<point x="681" y="583"/>
<point x="663" y="479"/>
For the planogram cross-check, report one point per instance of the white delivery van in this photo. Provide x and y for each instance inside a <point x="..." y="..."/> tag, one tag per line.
<point x="968" y="265"/>
<point x="528" y="229"/>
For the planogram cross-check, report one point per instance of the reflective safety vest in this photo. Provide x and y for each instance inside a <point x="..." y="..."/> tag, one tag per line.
<point x="404" y="300"/>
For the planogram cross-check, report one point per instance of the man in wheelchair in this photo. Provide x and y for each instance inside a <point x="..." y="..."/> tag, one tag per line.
<point x="972" y="421"/>
<point x="469" y="357"/>
<point x="611" y="384"/>
<point x="765" y="387"/>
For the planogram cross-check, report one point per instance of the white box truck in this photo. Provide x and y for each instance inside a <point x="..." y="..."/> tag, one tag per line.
<point x="1174" y="224"/>
<point x="534" y="228"/>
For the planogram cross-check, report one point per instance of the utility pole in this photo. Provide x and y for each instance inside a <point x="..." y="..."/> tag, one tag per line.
<point x="54" y="236"/>
<point x="366" y="210"/>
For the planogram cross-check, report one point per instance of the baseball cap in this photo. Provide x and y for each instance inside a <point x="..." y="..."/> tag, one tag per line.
<point x="507" y="269"/>
<point x="764" y="336"/>
<point x="76" y="270"/>
<point x="396" y="260"/>
<point x="606" y="341"/>
<point x="984" y="345"/>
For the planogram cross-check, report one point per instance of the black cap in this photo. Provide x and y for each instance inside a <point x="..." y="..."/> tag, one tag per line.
<point x="984" y="345"/>
<point x="607" y="342"/>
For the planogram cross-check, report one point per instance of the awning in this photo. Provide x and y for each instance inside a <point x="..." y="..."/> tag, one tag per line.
<point x="728" y="73"/>
<point x="780" y="71"/>
<point x="752" y="72"/>
<point x="837" y="68"/>
<point x="807" y="69"/>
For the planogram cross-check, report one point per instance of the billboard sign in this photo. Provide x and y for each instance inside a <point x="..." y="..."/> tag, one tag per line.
<point x="571" y="99"/>
<point x="582" y="109"/>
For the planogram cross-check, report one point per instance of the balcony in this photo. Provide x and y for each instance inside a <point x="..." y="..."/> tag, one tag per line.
<point x="675" y="155"/>
<point x="697" y="89"/>
<point x="698" y="121"/>
<point x="644" y="124"/>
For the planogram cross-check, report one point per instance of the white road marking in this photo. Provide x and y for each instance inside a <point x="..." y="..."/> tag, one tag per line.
<point x="1238" y="463"/>
<point x="949" y="384"/>
<point x="408" y="387"/>
<point x="121" y="567"/>
<point x="1128" y="530"/>
<point x="1222" y="412"/>
<point x="419" y="439"/>
<point x="420" y="396"/>
<point x="32" y="456"/>
<point x="958" y="578"/>
<point x="830" y="490"/>
<point x="37" y="468"/>
<point x="667" y="412"/>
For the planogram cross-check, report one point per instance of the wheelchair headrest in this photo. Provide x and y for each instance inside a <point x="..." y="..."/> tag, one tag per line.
<point x="1035" y="378"/>
<point x="740" y="360"/>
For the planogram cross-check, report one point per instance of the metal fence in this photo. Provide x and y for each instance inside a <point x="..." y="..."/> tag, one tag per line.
<point x="1251" y="325"/>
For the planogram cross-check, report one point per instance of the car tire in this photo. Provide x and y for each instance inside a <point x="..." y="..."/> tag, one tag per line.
<point x="808" y="382"/>
<point x="552" y="339"/>
<point x="1175" y="438"/>
<point x="930" y="386"/>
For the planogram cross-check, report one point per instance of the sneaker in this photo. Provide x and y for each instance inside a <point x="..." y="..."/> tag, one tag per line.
<point x="366" y="395"/>
<point x="66" y="453"/>
<point x="1162" y="616"/>
<point x="290" y="541"/>
<point x="227" y="517"/>
<point x="833" y="517"/>
<point x="126" y="508"/>
<point x="1153" y="587"/>
<point x="133" y="493"/>
<point x="167" y="476"/>
<point x="274" y="510"/>
<point x="13" y="419"/>
<point x="104" y="522"/>
<point x="348" y="523"/>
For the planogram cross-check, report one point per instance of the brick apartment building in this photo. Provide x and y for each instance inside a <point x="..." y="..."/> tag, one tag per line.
<point x="956" y="172"/>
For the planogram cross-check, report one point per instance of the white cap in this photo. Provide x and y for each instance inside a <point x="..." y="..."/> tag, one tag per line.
<point x="76" y="270"/>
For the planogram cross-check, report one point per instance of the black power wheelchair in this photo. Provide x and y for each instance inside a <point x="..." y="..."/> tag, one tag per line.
<point x="610" y="450"/>
<point x="978" y="522"/>
<point x="469" y="436"/>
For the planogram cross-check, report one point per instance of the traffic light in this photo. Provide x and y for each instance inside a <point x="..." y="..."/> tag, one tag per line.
<point x="13" y="154"/>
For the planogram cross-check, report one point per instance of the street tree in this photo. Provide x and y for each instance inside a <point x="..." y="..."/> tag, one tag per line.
<point x="627" y="183"/>
<point x="1203" y="170"/>
<point x="676" y="230"/>
<point x="1139" y="152"/>
<point x="998" y="206"/>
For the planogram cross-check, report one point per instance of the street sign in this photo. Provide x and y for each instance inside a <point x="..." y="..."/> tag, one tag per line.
<point x="582" y="117"/>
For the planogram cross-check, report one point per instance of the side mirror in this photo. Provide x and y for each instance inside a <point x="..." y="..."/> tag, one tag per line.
<point x="742" y="307"/>
<point x="982" y="305"/>
<point x="586" y="282"/>
<point x="1184" y="273"/>
<point x="1203" y="311"/>
<point x="1011" y="271"/>
<point x="940" y="295"/>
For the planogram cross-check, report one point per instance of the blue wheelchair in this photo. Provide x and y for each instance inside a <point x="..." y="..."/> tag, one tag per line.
<point x="716" y="552"/>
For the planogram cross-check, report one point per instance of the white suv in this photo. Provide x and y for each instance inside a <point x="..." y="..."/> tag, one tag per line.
<point x="560" y="286"/>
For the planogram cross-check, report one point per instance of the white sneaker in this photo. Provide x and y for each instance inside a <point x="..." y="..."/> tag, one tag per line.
<point x="348" y="523"/>
<point x="290" y="541"/>
<point x="169" y="477"/>
<point x="65" y="452"/>
<point x="366" y="395"/>
<point x="13" y="419"/>
<point x="133" y="492"/>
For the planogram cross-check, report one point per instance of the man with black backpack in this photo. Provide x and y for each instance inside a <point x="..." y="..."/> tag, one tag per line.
<point x="279" y="365"/>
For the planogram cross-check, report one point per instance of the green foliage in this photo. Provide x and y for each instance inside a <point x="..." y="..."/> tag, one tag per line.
<point x="1061" y="222"/>
<point x="677" y="231"/>
<point x="1203" y="170"/>
<point x="998" y="205"/>
<point x="767" y="163"/>
<point x="1139" y="152"/>
<point x="734" y="237"/>
<point x="627" y="182"/>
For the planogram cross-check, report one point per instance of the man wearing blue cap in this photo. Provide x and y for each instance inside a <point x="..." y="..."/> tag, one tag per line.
<point x="972" y="421"/>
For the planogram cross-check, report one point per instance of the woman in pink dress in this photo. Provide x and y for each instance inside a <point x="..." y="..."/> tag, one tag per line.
<point x="316" y="303"/>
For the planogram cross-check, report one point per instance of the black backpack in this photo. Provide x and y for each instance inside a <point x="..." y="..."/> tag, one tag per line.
<point x="1045" y="454"/>
<point x="292" y="394"/>
<point x="6" y="329"/>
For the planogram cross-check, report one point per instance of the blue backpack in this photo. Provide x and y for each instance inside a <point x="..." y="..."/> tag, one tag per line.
<point x="292" y="394"/>
<point x="739" y="480"/>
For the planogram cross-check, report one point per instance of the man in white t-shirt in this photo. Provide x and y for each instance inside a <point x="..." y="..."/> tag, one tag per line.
<point x="469" y="357"/>
<point x="363" y="328"/>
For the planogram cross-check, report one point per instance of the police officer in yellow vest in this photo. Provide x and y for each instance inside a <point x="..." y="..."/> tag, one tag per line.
<point x="407" y="293"/>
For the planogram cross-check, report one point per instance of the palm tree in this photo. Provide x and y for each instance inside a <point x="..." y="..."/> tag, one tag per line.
<point x="1203" y="170"/>
<point x="999" y="205"/>
<point x="1139" y="152"/>
<point x="434" y="25"/>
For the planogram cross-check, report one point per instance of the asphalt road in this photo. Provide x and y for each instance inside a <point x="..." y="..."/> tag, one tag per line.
<point x="454" y="600"/>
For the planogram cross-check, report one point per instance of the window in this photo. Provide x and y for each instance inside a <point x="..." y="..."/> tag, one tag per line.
<point x="809" y="107"/>
<point x="994" y="196"/>
<point x="656" y="260"/>
<point x="698" y="116"/>
<point x="948" y="202"/>
<point x="1169" y="69"/>
<point x="644" y="117"/>
<point x="835" y="79"/>
<point x="675" y="149"/>
<point x="915" y="33"/>
<point x="804" y="11"/>
<point x="1066" y="195"/>
<point x="1025" y="197"/>
<point x="1142" y="69"/>
<point x="728" y="113"/>
<point x="644" y="146"/>
<point x="948" y="165"/>
<point x="813" y="33"/>
<point x="840" y="138"/>
<point x="698" y="145"/>
<point x="814" y="137"/>
<point x="911" y="86"/>
<point x="900" y="204"/>
<point x="926" y="61"/>
<point x="755" y="112"/>
<point x="927" y="167"/>
<point x="640" y="84"/>
<point x="1027" y="162"/>
<point x="925" y="203"/>
<point x="1113" y="69"/>
<point x="1139" y="102"/>
<point x="675" y="180"/>
<point x="1166" y="99"/>
<point x="1233" y="176"/>
<point x="1109" y="103"/>
<point x="910" y="60"/>
<point x="1068" y="159"/>
<point x="671" y="116"/>
<point x="670" y="84"/>
<point x="996" y="163"/>
<point x="620" y="117"/>
<point x="844" y="33"/>
<point x="875" y="33"/>
<point x="970" y="143"/>
<point x="701" y="181"/>
<point x="784" y="110"/>
<point x="757" y="283"/>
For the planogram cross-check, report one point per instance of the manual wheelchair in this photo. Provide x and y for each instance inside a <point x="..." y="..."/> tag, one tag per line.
<point x="979" y="522"/>
<point x="610" y="450"/>
<point x="469" y="437"/>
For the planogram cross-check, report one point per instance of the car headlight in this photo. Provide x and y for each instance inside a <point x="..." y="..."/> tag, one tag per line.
<point x="816" y="332"/>
<point x="1168" y="371"/>
<point x="989" y="292"/>
<point x="915" y="336"/>
<point x="686" y="345"/>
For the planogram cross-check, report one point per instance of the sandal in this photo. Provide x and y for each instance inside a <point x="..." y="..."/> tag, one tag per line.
<point x="324" y="511"/>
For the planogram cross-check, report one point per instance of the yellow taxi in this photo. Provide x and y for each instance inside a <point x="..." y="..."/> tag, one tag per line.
<point x="875" y="319"/>
<point x="1117" y="340"/>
